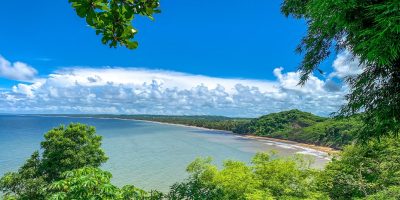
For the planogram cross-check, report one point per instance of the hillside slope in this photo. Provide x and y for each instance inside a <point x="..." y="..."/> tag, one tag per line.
<point x="304" y="127"/>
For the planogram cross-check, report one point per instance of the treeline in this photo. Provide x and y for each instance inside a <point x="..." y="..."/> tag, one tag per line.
<point x="204" y="121"/>
<point x="292" y="125"/>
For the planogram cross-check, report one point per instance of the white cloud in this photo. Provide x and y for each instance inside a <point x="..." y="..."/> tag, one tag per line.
<point x="143" y="91"/>
<point x="16" y="71"/>
<point x="346" y="65"/>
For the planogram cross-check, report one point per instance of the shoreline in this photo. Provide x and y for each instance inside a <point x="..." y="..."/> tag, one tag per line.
<point x="328" y="150"/>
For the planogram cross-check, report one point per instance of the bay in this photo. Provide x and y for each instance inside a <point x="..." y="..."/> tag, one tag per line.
<point x="148" y="155"/>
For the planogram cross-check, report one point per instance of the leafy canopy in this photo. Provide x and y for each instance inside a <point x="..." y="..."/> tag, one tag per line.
<point x="71" y="147"/>
<point x="94" y="183"/>
<point x="265" y="179"/>
<point x="113" y="18"/>
<point x="370" y="30"/>
<point x="64" y="149"/>
<point x="363" y="171"/>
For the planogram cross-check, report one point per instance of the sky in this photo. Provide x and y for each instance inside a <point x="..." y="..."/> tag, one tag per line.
<point x="223" y="57"/>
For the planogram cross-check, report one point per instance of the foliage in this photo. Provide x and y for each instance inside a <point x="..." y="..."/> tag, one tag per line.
<point x="370" y="30"/>
<point x="199" y="185"/>
<point x="27" y="183"/>
<point x="64" y="149"/>
<point x="113" y="18"/>
<point x="266" y="178"/>
<point x="370" y="171"/>
<point x="363" y="170"/>
<point x="71" y="147"/>
<point x="392" y="193"/>
<point x="84" y="183"/>
<point x="93" y="183"/>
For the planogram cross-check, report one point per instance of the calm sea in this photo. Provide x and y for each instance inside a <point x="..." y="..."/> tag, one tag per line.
<point x="148" y="155"/>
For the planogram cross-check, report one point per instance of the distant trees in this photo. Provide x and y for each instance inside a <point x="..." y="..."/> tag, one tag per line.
<point x="292" y="125"/>
<point x="284" y="121"/>
<point x="237" y="125"/>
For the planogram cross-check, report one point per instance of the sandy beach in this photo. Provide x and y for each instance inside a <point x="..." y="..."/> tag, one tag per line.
<point x="328" y="150"/>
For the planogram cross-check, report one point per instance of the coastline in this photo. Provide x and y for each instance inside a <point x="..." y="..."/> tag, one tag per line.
<point x="328" y="150"/>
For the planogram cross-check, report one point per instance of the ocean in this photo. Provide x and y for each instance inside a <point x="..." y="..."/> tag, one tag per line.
<point x="145" y="154"/>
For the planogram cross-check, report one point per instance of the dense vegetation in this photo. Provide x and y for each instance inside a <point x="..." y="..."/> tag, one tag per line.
<point x="369" y="171"/>
<point x="363" y="170"/>
<point x="265" y="179"/>
<point x="306" y="127"/>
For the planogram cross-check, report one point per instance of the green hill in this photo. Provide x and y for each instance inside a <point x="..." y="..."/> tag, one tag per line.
<point x="282" y="123"/>
<point x="304" y="127"/>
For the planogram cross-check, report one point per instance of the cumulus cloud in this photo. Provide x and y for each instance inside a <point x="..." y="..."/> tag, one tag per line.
<point x="16" y="71"/>
<point x="143" y="91"/>
<point x="346" y="65"/>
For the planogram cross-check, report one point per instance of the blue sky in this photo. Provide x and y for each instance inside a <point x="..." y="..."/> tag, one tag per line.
<point x="222" y="40"/>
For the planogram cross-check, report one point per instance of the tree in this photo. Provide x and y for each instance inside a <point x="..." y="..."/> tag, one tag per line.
<point x="27" y="183"/>
<point x="265" y="179"/>
<point x="199" y="185"/>
<point x="113" y="18"/>
<point x="84" y="183"/>
<point x="290" y="178"/>
<point x="370" y="30"/>
<point x="94" y="183"/>
<point x="64" y="149"/>
<point x="69" y="148"/>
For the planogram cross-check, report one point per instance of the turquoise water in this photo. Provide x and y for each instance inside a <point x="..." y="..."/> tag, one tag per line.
<point x="148" y="155"/>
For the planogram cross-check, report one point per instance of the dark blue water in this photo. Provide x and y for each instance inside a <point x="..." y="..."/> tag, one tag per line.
<point x="148" y="155"/>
